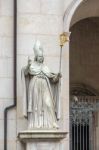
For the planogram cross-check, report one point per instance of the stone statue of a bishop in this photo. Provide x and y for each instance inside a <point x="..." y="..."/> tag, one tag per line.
<point x="40" y="92"/>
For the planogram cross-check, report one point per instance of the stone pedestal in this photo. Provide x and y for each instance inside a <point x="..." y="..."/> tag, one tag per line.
<point x="42" y="139"/>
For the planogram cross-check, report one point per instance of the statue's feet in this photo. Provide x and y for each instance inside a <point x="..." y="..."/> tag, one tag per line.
<point x="55" y="125"/>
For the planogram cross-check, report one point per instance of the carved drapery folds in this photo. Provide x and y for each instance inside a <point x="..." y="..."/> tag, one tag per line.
<point x="40" y="93"/>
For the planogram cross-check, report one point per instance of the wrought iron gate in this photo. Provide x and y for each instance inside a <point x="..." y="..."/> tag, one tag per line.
<point x="82" y="122"/>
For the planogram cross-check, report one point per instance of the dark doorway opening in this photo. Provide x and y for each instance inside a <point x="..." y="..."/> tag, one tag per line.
<point x="80" y="137"/>
<point x="84" y="79"/>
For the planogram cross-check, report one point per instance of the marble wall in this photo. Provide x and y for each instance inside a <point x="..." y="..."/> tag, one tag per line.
<point x="6" y="72"/>
<point x="37" y="19"/>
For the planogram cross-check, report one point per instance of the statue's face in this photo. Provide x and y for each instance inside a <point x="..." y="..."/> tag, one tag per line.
<point x="40" y="59"/>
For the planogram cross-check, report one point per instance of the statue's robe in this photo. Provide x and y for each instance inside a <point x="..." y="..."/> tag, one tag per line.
<point x="40" y="96"/>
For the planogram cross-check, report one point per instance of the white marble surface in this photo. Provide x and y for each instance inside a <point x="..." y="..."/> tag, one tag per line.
<point x="43" y="146"/>
<point x="39" y="24"/>
<point x="12" y="129"/>
<point x="6" y="8"/>
<point x="6" y="86"/>
<point x="6" y="67"/>
<point x="50" y="44"/>
<point x="30" y="6"/>
<point x="56" y="7"/>
<point x="6" y="26"/>
<point x="3" y="104"/>
<point x="11" y="145"/>
<point x="6" y="45"/>
<point x="35" y="134"/>
<point x="38" y="19"/>
<point x="39" y="140"/>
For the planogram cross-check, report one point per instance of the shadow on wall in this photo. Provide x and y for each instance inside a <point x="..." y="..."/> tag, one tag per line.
<point x="84" y="52"/>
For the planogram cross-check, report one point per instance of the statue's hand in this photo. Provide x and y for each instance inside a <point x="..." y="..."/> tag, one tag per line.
<point x="59" y="75"/>
<point x="28" y="65"/>
<point x="26" y="71"/>
<point x="29" y="62"/>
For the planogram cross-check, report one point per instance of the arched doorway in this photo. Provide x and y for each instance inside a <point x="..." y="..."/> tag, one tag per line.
<point x="84" y="100"/>
<point x="82" y="16"/>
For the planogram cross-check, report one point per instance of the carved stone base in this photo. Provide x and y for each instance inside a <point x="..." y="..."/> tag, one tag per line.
<point x="42" y="139"/>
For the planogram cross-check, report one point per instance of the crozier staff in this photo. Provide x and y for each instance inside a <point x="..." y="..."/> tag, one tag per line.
<point x="64" y="37"/>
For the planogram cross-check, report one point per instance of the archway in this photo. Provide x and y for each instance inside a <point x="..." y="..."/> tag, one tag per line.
<point x="82" y="16"/>
<point x="84" y="64"/>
